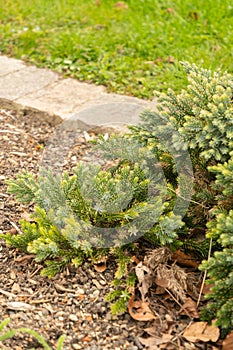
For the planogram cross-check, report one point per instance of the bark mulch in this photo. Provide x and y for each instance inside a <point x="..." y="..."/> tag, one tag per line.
<point x="73" y="302"/>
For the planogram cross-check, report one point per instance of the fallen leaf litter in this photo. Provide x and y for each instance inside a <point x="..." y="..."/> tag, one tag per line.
<point x="73" y="301"/>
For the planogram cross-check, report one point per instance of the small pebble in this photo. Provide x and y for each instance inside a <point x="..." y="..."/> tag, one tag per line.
<point x="96" y="283"/>
<point x="60" y="313"/>
<point x="79" y="336"/>
<point x="80" y="291"/>
<point x="127" y="317"/>
<point x="96" y="293"/>
<point x="73" y="318"/>
<point x="15" y="288"/>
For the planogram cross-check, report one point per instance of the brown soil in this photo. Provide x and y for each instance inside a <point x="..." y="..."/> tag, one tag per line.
<point x="73" y="302"/>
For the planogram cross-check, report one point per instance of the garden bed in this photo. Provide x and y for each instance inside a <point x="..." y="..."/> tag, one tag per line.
<point x="73" y="302"/>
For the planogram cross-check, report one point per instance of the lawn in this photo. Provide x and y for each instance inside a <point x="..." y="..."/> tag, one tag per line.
<point x="132" y="47"/>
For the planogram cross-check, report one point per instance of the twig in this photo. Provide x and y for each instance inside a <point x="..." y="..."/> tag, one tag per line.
<point x="63" y="289"/>
<point x="20" y="154"/>
<point x="10" y="132"/>
<point x="12" y="295"/>
<point x="188" y="200"/>
<point x="167" y="290"/>
<point x="205" y="274"/>
<point x="40" y="301"/>
<point x="25" y="257"/>
<point x="3" y="111"/>
<point x="8" y="294"/>
<point x="181" y="332"/>
<point x="35" y="272"/>
<point x="4" y="195"/>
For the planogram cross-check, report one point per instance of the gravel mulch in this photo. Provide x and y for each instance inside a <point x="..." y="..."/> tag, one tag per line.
<point x="73" y="302"/>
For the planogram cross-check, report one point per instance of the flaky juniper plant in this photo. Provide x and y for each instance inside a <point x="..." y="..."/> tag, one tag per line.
<point x="69" y="220"/>
<point x="203" y="115"/>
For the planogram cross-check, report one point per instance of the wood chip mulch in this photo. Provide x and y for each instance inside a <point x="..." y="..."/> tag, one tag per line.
<point x="73" y="302"/>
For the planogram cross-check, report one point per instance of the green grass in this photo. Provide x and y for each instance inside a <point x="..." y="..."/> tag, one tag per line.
<point x="134" y="51"/>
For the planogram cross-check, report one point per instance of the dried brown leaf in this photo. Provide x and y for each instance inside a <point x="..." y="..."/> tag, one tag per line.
<point x="156" y="257"/>
<point x="166" y="338"/>
<point x="170" y="59"/>
<point x="189" y="307"/>
<point x="135" y="260"/>
<point x="158" y="60"/>
<point x="184" y="260"/>
<point x="152" y="343"/>
<point x="201" y="331"/>
<point x="101" y="265"/>
<point x="193" y="284"/>
<point x="121" y="5"/>
<point x="175" y="279"/>
<point x="153" y="330"/>
<point x="194" y="15"/>
<point x="140" y="310"/>
<point x="207" y="288"/>
<point x="170" y="10"/>
<point x="162" y="282"/>
<point x="145" y="278"/>
<point x="228" y="342"/>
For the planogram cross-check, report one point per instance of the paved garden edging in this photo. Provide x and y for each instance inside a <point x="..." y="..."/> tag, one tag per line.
<point x="26" y="87"/>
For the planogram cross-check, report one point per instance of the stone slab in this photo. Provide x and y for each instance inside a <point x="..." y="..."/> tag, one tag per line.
<point x="114" y="115"/>
<point x="68" y="96"/>
<point x="63" y="97"/>
<point x="25" y="81"/>
<point x="115" y="98"/>
<point x="45" y="91"/>
<point x="10" y="65"/>
<point x="9" y="105"/>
